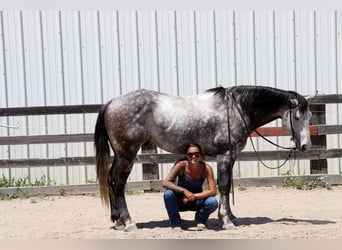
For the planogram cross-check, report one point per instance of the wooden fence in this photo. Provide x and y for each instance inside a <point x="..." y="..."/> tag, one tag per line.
<point x="317" y="155"/>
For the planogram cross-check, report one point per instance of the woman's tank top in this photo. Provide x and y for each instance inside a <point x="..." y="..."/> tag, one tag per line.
<point x="191" y="184"/>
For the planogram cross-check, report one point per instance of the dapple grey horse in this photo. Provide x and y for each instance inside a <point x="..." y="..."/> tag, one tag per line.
<point x="220" y="120"/>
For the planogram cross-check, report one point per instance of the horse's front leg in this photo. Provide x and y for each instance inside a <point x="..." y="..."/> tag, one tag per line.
<point x="119" y="211"/>
<point x="224" y="176"/>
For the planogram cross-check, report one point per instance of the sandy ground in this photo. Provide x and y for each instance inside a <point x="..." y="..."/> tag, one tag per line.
<point x="263" y="213"/>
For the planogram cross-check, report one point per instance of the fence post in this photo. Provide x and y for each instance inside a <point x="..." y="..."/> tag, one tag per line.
<point x="318" y="117"/>
<point x="150" y="170"/>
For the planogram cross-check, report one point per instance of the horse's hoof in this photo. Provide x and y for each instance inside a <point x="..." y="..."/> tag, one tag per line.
<point x="131" y="227"/>
<point x="119" y="226"/>
<point x="228" y="226"/>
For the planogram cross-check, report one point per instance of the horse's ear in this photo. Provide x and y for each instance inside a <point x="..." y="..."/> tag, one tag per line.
<point x="293" y="103"/>
<point x="310" y="97"/>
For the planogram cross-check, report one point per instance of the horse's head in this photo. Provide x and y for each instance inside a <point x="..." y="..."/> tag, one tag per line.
<point x="295" y="120"/>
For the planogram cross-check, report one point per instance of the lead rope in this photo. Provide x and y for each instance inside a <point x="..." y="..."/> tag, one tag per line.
<point x="263" y="163"/>
<point x="230" y="150"/>
<point x="279" y="146"/>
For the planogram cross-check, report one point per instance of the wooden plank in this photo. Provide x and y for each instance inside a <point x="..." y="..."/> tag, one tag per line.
<point x="326" y="99"/>
<point x="94" y="108"/>
<point x="271" y="131"/>
<point x="44" y="139"/>
<point x="77" y="189"/>
<point x="52" y="190"/>
<point x="319" y="166"/>
<point x="138" y="185"/>
<point x="279" y="131"/>
<point x="88" y="137"/>
<point x="277" y="180"/>
<point x="329" y="129"/>
<point x="51" y="162"/>
<point x="150" y="170"/>
<point x="315" y="154"/>
<point x="50" y="110"/>
<point x="156" y="185"/>
<point x="157" y="158"/>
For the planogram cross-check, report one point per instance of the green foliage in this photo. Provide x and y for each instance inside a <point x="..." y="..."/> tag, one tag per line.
<point x="288" y="181"/>
<point x="242" y="187"/>
<point x="62" y="192"/>
<point x="300" y="183"/>
<point x="4" y="182"/>
<point x="91" y="181"/>
<point x="21" y="182"/>
<point x="14" y="195"/>
<point x="25" y="182"/>
<point x="3" y="196"/>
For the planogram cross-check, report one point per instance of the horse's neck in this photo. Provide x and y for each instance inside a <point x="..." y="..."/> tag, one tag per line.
<point x="263" y="108"/>
<point x="258" y="120"/>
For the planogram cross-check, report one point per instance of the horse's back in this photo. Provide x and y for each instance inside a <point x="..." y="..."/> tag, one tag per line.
<point x="170" y="122"/>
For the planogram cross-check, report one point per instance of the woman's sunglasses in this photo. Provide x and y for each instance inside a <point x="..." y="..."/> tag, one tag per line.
<point x="191" y="154"/>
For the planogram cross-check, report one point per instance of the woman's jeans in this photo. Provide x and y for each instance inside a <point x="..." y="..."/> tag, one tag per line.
<point x="174" y="205"/>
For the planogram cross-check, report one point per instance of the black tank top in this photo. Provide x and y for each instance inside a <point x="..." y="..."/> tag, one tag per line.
<point x="191" y="184"/>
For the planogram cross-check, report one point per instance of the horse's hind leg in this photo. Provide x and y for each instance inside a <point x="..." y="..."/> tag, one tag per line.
<point x="119" y="173"/>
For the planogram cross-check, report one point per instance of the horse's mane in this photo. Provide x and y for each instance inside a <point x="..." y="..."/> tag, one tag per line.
<point x="220" y="91"/>
<point x="251" y="94"/>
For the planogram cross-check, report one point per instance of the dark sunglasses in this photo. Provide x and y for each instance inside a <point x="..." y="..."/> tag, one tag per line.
<point x="196" y="154"/>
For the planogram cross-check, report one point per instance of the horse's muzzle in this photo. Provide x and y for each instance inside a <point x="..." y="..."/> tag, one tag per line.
<point x="304" y="148"/>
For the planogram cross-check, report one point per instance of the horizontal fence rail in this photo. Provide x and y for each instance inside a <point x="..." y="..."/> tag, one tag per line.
<point x="94" y="108"/>
<point x="315" y="154"/>
<point x="88" y="137"/>
<point x="50" y="110"/>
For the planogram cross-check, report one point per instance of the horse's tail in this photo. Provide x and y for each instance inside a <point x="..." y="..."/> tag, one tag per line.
<point x="102" y="155"/>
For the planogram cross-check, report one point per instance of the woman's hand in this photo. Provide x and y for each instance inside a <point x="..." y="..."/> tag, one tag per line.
<point x="185" y="199"/>
<point x="189" y="196"/>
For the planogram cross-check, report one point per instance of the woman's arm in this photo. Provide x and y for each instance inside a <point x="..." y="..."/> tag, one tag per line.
<point x="170" y="181"/>
<point x="211" y="191"/>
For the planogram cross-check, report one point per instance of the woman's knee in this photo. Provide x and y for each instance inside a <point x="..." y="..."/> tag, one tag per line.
<point x="169" y="195"/>
<point x="211" y="202"/>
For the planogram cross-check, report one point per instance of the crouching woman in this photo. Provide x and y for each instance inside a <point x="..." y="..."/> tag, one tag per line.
<point x="188" y="193"/>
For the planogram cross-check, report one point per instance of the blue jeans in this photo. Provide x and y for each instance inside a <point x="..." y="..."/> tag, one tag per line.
<point x="174" y="205"/>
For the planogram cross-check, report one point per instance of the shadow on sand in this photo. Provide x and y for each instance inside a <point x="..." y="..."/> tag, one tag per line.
<point x="214" y="224"/>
